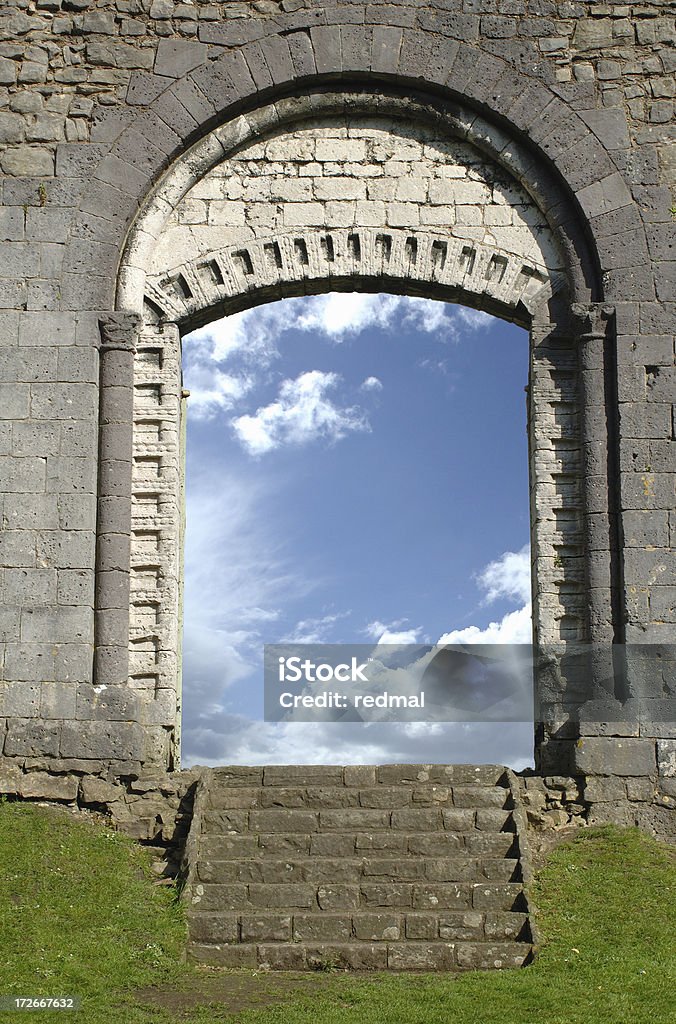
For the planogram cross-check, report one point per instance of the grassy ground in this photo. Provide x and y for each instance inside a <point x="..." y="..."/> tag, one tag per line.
<point x="79" y="915"/>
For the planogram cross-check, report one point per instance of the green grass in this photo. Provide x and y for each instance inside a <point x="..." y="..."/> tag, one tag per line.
<point x="79" y="915"/>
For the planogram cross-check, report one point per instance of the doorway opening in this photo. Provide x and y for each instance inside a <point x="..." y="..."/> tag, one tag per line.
<point x="357" y="471"/>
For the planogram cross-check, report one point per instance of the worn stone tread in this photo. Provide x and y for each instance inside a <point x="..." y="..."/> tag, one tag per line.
<point x="406" y="956"/>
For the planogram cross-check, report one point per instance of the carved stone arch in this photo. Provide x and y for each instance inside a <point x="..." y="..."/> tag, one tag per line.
<point x="301" y="55"/>
<point x="578" y="263"/>
<point x="332" y="259"/>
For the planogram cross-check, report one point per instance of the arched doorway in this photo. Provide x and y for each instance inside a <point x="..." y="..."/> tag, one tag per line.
<point x="344" y="192"/>
<point x="356" y="474"/>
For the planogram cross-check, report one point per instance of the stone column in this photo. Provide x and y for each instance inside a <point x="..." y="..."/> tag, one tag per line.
<point x="598" y="402"/>
<point x="119" y="333"/>
<point x="605" y="665"/>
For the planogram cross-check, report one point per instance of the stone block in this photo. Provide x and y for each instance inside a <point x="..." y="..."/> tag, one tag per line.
<point x="30" y="438"/>
<point x="176" y="57"/>
<point x="14" y="401"/>
<point x="284" y="820"/>
<point x="19" y="700"/>
<point x="23" y="475"/>
<point x="508" y="896"/>
<point x="615" y="756"/>
<point x="123" y="741"/>
<point x="30" y="586"/>
<point x="9" y="624"/>
<point x="322" y="928"/>
<point x="214" y="928"/>
<point x="338" y="897"/>
<point x="112" y="703"/>
<point x="56" y="625"/>
<point x="10" y="778"/>
<point x="353" y="819"/>
<point x="359" y="775"/>
<point x="229" y="955"/>
<point x="302" y="54"/>
<point x="459" y="819"/>
<point x="604" y="789"/>
<point x="496" y="956"/>
<point x="327" y="49"/>
<point x="442" y="896"/>
<point x="43" y="786"/>
<point x="421" y="956"/>
<point x="98" y="791"/>
<point x="300" y="775"/>
<point x="286" y="896"/>
<point x="31" y="737"/>
<point x="666" y="758"/>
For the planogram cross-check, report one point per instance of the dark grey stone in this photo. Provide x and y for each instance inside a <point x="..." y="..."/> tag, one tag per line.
<point x="302" y="54"/>
<point x="277" y="53"/>
<point x="616" y="756"/>
<point x="224" y="81"/>
<point x="145" y="87"/>
<point x="176" y="57"/>
<point x="327" y="49"/>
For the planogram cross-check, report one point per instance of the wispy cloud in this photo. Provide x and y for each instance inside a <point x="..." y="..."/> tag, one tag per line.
<point x="237" y="578"/>
<point x="314" y="631"/>
<point x="302" y="413"/>
<point x="224" y="361"/>
<point x="392" y="632"/>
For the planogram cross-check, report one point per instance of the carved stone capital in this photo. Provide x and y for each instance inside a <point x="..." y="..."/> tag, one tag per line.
<point x="590" y="320"/>
<point x="119" y="331"/>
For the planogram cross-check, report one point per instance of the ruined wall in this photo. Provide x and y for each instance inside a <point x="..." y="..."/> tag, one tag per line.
<point x="99" y="100"/>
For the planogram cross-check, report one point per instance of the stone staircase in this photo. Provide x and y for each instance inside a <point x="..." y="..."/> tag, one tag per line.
<point x="397" y="867"/>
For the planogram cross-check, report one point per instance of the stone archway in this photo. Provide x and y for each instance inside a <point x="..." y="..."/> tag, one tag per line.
<point x="349" y="191"/>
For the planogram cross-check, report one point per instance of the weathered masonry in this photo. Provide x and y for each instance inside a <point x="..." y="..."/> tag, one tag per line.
<point x="167" y="163"/>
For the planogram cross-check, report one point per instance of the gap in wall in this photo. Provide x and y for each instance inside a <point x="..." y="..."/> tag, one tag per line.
<point x="357" y="471"/>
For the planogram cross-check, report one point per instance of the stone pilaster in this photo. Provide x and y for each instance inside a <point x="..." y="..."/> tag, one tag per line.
<point x="593" y="324"/>
<point x="119" y="332"/>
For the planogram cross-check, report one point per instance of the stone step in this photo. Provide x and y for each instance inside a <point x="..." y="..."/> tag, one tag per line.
<point x="360" y="776"/>
<point x="347" y="869"/>
<point x="219" y="927"/>
<point x="415" y="795"/>
<point x="409" y="955"/>
<point x="356" y="819"/>
<point x="336" y="844"/>
<point x="359" y="894"/>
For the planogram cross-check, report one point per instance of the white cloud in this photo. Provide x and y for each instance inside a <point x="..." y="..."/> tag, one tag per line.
<point x="340" y="315"/>
<point x="301" y="414"/>
<point x="507" y="577"/>
<point x="237" y="578"/>
<point x="514" y="628"/>
<point x="314" y="631"/>
<point x="371" y="384"/>
<point x="475" y="319"/>
<point x="391" y="633"/>
<point x="247" y="342"/>
<point x="212" y="390"/>
<point x="236" y="739"/>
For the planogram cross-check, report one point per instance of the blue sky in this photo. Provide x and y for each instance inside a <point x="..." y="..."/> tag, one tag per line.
<point x="357" y="471"/>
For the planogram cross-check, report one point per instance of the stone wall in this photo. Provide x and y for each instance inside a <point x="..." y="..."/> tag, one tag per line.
<point x="103" y="104"/>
